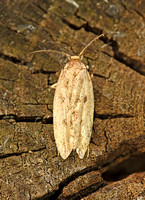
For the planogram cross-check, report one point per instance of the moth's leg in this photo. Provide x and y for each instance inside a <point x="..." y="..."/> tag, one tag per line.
<point x="47" y="115"/>
<point x="53" y="86"/>
<point x="92" y="76"/>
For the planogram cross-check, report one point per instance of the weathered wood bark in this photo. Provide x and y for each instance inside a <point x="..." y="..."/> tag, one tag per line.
<point x="30" y="167"/>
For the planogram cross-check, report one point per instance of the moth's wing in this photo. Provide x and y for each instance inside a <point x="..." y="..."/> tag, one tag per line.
<point x="77" y="106"/>
<point x="60" y="115"/>
<point x="67" y="109"/>
<point x="82" y="112"/>
<point x="87" y="116"/>
<point x="73" y="110"/>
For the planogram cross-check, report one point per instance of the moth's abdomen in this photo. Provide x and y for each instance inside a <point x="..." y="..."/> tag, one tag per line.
<point x="73" y="110"/>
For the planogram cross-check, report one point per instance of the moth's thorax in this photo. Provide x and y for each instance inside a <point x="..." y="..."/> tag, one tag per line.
<point x="75" y="63"/>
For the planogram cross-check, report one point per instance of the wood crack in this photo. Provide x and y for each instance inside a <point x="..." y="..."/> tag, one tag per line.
<point x="20" y="153"/>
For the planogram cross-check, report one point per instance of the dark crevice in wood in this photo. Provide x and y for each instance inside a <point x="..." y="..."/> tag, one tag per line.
<point x="139" y="13"/>
<point x="86" y="26"/>
<point x="13" y="59"/>
<point x="42" y="71"/>
<point x="113" y="116"/>
<point x="100" y="76"/>
<point x="94" y="30"/>
<point x="5" y="79"/>
<point x="78" y="16"/>
<point x="35" y="104"/>
<point x="85" y="192"/>
<point x="106" y="145"/>
<point x="73" y="26"/>
<point x="27" y="118"/>
<point x="20" y="153"/>
<point x="134" y="164"/>
<point x="125" y="7"/>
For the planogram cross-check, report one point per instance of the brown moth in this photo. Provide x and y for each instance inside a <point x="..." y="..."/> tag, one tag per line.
<point x="73" y="107"/>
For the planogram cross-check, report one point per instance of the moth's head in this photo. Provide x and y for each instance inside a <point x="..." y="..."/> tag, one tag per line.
<point x="76" y="57"/>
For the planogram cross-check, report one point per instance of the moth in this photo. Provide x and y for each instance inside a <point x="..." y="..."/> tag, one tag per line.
<point x="73" y="107"/>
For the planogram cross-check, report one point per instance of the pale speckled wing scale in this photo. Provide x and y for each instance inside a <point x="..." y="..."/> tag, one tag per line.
<point x="73" y="109"/>
<point x="87" y="116"/>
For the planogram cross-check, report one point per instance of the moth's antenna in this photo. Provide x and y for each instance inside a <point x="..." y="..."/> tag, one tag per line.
<point x="53" y="51"/>
<point x="90" y="44"/>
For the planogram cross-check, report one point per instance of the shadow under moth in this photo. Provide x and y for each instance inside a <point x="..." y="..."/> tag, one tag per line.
<point x="73" y="106"/>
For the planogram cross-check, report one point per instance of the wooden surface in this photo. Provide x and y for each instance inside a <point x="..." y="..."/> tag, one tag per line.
<point x="30" y="167"/>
